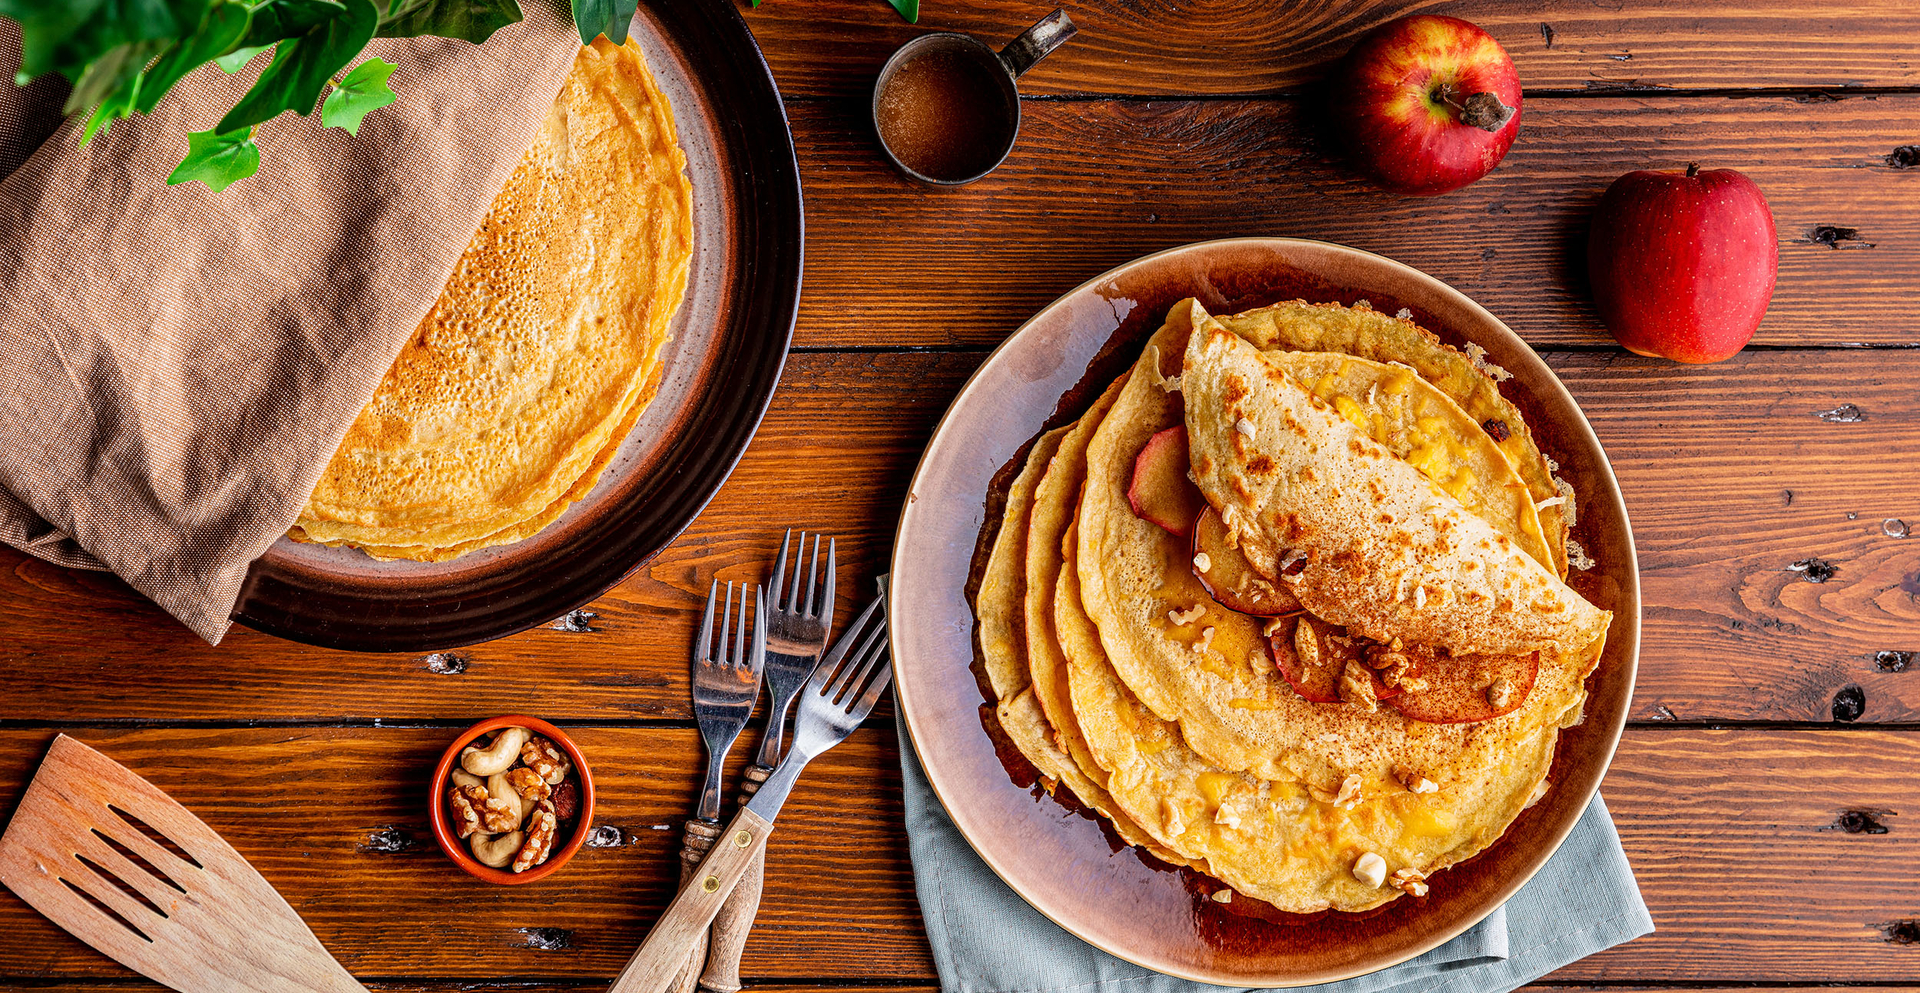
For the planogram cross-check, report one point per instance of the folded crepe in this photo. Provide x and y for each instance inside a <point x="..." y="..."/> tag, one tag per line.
<point x="519" y="386"/>
<point x="1362" y="538"/>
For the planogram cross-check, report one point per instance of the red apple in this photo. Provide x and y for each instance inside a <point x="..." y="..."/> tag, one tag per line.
<point x="1426" y="104"/>
<point x="1683" y="265"/>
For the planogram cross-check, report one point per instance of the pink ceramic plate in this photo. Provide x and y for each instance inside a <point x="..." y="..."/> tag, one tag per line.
<point x="1063" y="861"/>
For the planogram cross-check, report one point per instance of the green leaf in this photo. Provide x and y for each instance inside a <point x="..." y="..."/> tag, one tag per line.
<point x="218" y="160"/>
<point x="908" y="10"/>
<point x="603" y="17"/>
<point x="66" y="36"/>
<point x="362" y="92"/>
<point x="276" y="20"/>
<point x="111" y="85"/>
<point x="302" y="65"/>
<point x="473" y="20"/>
<point x="222" y="26"/>
<point x="237" y="59"/>
<point x="115" y="74"/>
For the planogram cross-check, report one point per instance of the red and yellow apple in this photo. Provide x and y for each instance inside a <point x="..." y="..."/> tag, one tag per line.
<point x="1683" y="264"/>
<point x="1426" y="104"/>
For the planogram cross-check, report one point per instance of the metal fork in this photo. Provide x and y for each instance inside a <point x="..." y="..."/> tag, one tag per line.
<point x="796" y="635"/>
<point x="839" y="695"/>
<point x="726" y="682"/>
<point x="797" y="628"/>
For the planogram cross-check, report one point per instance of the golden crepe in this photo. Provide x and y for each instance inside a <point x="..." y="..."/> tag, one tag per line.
<point x="1233" y="708"/>
<point x="545" y="346"/>
<point x="1468" y="379"/>
<point x="1187" y="716"/>
<point x="1368" y="541"/>
<point x="1287" y="843"/>
<point x="1001" y="602"/>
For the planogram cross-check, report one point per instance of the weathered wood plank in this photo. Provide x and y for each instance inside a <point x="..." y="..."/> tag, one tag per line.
<point x="317" y="810"/>
<point x="1096" y="184"/>
<point x="1732" y="835"/>
<point x="1729" y="484"/>
<point x="1706" y="456"/>
<point x="1144" y="47"/>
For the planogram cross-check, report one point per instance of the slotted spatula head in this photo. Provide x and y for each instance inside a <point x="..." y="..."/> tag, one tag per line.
<point x="185" y="910"/>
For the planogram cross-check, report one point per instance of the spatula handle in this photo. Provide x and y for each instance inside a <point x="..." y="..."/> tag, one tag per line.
<point x="668" y="945"/>
<point x="695" y="843"/>
<point x="728" y="937"/>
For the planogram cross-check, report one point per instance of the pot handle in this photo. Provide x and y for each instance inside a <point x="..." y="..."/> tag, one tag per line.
<point x="1047" y="34"/>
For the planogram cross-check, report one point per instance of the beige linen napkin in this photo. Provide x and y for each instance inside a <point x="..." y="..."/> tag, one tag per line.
<point x="177" y="366"/>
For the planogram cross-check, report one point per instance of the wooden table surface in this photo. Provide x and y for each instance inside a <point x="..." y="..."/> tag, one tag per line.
<point x="1768" y="787"/>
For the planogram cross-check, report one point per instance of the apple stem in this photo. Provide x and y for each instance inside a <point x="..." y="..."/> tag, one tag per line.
<point x="1486" y="112"/>
<point x="1481" y="110"/>
<point x="1693" y="169"/>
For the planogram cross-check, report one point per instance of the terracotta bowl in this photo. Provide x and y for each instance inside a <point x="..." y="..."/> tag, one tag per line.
<point x="1068" y="864"/>
<point x="457" y="850"/>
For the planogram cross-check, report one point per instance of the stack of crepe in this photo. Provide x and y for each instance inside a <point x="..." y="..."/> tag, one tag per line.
<point x="1286" y="605"/>
<point x="545" y="347"/>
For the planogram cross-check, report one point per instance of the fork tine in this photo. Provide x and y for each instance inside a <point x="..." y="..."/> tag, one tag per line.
<point x="881" y="678"/>
<point x="739" y="659"/>
<point x="872" y="657"/>
<point x="826" y="599"/>
<point x="813" y="574"/>
<point x="793" y="584"/>
<point x="861" y="656"/>
<point x="726" y="621"/>
<point x="780" y="566"/>
<point x="757" y="661"/>
<point x="701" y="647"/>
<point x="831" y="664"/>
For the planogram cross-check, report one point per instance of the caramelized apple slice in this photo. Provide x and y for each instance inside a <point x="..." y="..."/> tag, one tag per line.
<point x="1228" y="576"/>
<point x="1161" y="490"/>
<point x="1440" y="689"/>
<point x="1310" y="659"/>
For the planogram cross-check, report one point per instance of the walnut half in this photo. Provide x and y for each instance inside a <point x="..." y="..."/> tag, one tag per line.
<point x="528" y="783"/>
<point x="546" y="759"/>
<point x="541" y="828"/>
<point x="465" y="804"/>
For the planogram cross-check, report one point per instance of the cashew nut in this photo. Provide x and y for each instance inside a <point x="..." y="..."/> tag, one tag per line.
<point x="501" y="788"/>
<point x="498" y="755"/>
<point x="462" y="777"/>
<point x="497" y="850"/>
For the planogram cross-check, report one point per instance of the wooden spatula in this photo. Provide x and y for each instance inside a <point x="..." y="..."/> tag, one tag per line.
<point x="100" y="852"/>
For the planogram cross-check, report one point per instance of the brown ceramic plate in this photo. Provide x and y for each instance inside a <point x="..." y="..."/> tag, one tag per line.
<point x="729" y="342"/>
<point x="1063" y="861"/>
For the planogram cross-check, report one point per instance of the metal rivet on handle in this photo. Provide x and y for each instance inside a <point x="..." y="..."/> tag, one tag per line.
<point x="743" y="838"/>
<point x="711" y="884"/>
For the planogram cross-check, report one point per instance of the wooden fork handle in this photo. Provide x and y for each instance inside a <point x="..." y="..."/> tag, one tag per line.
<point x="695" y="842"/>
<point x="671" y="941"/>
<point x="728" y="937"/>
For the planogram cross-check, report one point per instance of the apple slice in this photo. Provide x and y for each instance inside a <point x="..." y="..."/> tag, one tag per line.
<point x="1229" y="578"/>
<point x="1463" y="690"/>
<point x="1309" y="660"/>
<point x="1161" y="490"/>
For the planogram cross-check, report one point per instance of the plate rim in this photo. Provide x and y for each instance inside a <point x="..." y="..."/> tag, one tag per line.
<point x="898" y="566"/>
<point x="783" y="159"/>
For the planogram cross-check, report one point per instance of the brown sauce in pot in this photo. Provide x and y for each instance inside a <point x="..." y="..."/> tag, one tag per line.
<point x="945" y="116"/>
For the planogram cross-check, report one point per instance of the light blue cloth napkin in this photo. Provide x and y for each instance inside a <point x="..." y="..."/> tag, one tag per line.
<point x="987" y="940"/>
